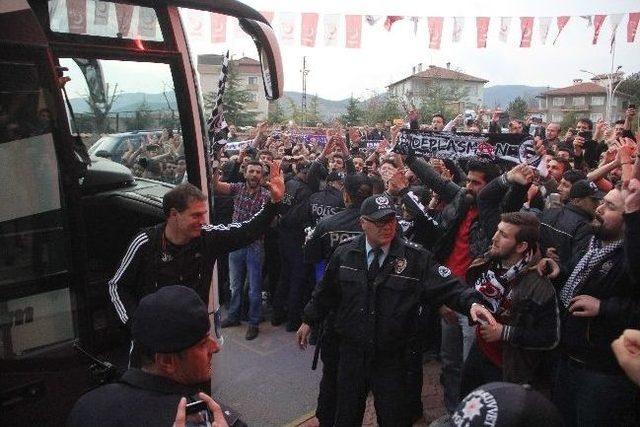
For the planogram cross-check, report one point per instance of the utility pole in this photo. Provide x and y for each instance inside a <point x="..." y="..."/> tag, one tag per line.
<point x="303" y="104"/>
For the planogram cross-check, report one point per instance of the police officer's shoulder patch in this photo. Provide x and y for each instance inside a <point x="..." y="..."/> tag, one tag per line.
<point x="413" y="245"/>
<point x="444" y="271"/>
<point x="348" y="240"/>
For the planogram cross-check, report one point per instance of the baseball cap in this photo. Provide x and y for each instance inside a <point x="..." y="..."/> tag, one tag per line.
<point x="501" y="404"/>
<point x="585" y="188"/>
<point x="170" y="320"/>
<point x="377" y="207"/>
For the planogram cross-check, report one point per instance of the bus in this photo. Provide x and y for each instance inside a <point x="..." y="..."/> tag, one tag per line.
<point x="66" y="216"/>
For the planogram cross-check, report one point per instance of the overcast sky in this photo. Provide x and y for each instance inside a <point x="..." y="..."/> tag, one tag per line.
<point x="385" y="57"/>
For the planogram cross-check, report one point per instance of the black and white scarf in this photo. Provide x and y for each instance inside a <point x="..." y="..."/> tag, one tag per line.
<point x="494" y="286"/>
<point x="596" y="253"/>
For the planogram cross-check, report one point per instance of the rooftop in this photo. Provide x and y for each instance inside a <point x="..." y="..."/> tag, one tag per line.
<point x="435" y="72"/>
<point x="586" y="88"/>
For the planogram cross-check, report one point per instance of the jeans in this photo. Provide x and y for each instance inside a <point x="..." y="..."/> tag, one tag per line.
<point x="243" y="262"/>
<point x="586" y="397"/>
<point x="456" y="342"/>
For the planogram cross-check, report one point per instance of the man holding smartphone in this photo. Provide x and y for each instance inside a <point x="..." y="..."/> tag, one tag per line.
<point x="175" y="364"/>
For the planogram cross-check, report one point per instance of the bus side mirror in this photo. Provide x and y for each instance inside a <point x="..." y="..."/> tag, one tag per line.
<point x="103" y="153"/>
<point x="270" y="59"/>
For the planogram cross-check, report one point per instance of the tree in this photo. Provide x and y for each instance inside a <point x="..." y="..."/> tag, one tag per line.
<point x="276" y="113"/>
<point x="379" y="108"/>
<point x="142" y="118"/>
<point x="568" y="120"/>
<point x="631" y="86"/>
<point x="354" y="114"/>
<point x="437" y="98"/>
<point x="234" y="100"/>
<point x="517" y="108"/>
<point x="313" y="112"/>
<point x="100" y="110"/>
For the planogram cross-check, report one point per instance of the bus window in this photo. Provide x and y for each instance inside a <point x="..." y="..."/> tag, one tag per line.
<point x="126" y="111"/>
<point x="32" y="238"/>
<point x="105" y="19"/>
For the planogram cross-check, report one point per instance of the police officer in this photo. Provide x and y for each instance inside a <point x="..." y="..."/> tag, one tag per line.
<point x="328" y="201"/>
<point x="171" y="329"/>
<point x="375" y="283"/>
<point x="182" y="250"/>
<point x="326" y="237"/>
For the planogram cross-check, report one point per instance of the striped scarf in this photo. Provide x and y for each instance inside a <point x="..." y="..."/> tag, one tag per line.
<point x="596" y="253"/>
<point x="494" y="284"/>
<point x="217" y="128"/>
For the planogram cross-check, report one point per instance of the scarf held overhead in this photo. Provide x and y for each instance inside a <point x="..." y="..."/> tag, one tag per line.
<point x="517" y="148"/>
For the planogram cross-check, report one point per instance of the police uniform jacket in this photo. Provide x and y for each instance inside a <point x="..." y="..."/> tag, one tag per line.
<point x="138" y="399"/>
<point x="325" y="203"/>
<point x="382" y="315"/>
<point x="151" y="261"/>
<point x="330" y="232"/>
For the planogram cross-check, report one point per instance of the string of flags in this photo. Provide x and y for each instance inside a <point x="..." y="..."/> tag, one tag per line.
<point x="335" y="30"/>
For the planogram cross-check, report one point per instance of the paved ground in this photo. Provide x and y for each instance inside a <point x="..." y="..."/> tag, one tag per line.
<point x="270" y="383"/>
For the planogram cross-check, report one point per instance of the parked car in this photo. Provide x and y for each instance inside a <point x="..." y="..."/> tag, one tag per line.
<point x="114" y="145"/>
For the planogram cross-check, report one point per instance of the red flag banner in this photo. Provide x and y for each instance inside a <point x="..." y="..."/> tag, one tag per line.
<point x="309" y="29"/>
<point x="353" y="31"/>
<point x="77" y="16"/>
<point x="101" y="14"/>
<point x="218" y="28"/>
<point x="561" y="21"/>
<point x="124" y="12"/>
<point x="482" y="28"/>
<point x="390" y="20"/>
<point x="632" y="26"/>
<point x="597" y="26"/>
<point x="435" y="31"/>
<point x="268" y="15"/>
<point x="147" y="22"/>
<point x="526" y="26"/>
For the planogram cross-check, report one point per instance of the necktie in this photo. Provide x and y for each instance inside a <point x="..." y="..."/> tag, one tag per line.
<point x="374" y="267"/>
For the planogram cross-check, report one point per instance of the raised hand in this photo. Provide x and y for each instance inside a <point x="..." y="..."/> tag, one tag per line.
<point x="276" y="182"/>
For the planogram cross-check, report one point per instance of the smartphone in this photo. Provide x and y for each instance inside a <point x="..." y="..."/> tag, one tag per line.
<point x="197" y="406"/>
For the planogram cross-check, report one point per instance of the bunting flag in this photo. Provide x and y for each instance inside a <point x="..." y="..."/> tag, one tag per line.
<point x="331" y="30"/>
<point x="561" y="21"/>
<point x="632" y="26"/>
<point x="309" y="29"/>
<point x="217" y="129"/>
<point x="101" y="13"/>
<point x="505" y="25"/>
<point x="287" y="28"/>
<point x="268" y="15"/>
<point x="589" y="20"/>
<point x="614" y="20"/>
<point x="147" y="22"/>
<point x="526" y="27"/>
<point x="77" y="16"/>
<point x="218" y="28"/>
<point x="435" y="31"/>
<point x="482" y="28"/>
<point x="353" y="24"/>
<point x="458" y="27"/>
<point x="597" y="26"/>
<point x="544" y="23"/>
<point x="390" y="20"/>
<point x="372" y="19"/>
<point x="124" y="12"/>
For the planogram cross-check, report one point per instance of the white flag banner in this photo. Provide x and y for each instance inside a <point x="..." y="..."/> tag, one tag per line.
<point x="458" y="27"/>
<point x="614" y="20"/>
<point x="287" y="28"/>
<point x="331" y="23"/>
<point x="544" y="23"/>
<point x="505" y="25"/>
<point x="415" y="20"/>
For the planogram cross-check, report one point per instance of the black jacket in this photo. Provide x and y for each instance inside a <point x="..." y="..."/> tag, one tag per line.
<point x="151" y="262"/>
<point x="615" y="282"/>
<point x="324" y="203"/>
<point x="531" y="324"/>
<point x="383" y="316"/>
<point x="330" y="232"/>
<point x="569" y="230"/>
<point x="138" y="399"/>
<point x="496" y="197"/>
<point x="294" y="206"/>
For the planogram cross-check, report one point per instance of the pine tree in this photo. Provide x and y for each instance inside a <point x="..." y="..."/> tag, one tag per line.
<point x="313" y="112"/>
<point x="517" y="108"/>
<point x="276" y="113"/>
<point x="354" y="114"/>
<point x="234" y="100"/>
